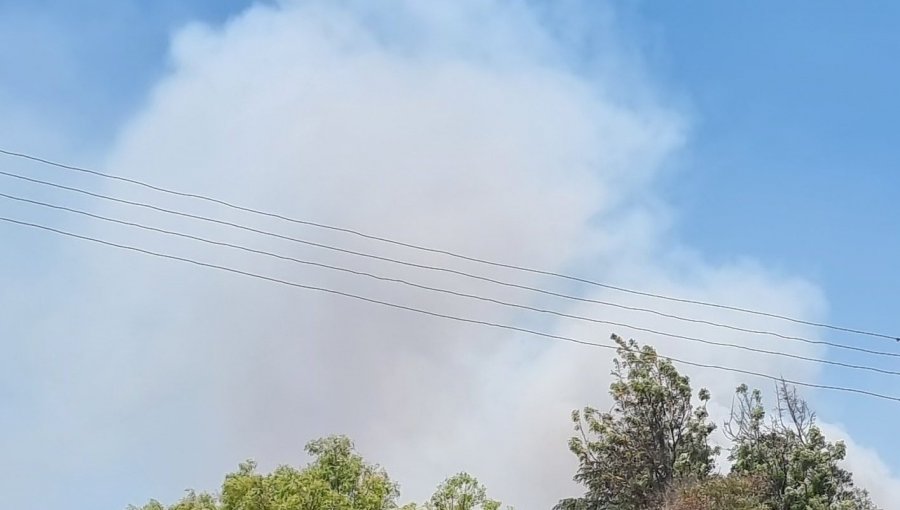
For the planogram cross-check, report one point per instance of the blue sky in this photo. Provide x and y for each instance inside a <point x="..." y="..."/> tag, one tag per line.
<point x="66" y="62"/>
<point x="794" y="153"/>
<point x="790" y="156"/>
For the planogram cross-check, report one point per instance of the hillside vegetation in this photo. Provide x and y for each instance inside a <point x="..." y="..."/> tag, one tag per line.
<point x="650" y="451"/>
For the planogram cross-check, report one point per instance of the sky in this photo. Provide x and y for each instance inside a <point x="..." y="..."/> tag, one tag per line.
<point x="733" y="154"/>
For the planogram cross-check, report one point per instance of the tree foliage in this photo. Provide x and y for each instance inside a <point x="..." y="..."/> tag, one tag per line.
<point x="789" y="452"/>
<point x="461" y="492"/>
<point x="652" y="438"/>
<point x="337" y="479"/>
<point x="718" y="493"/>
<point x="650" y="451"/>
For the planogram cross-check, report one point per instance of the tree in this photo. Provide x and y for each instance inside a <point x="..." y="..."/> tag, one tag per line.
<point x="337" y="479"/>
<point x="650" y="451"/>
<point x="192" y="501"/>
<point x="151" y="505"/>
<point x="652" y="438"/>
<point x="718" y="493"/>
<point x="790" y="454"/>
<point x="461" y="492"/>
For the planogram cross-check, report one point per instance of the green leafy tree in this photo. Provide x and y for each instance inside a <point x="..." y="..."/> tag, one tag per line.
<point x="461" y="492"/>
<point x="789" y="453"/>
<point x="337" y="479"/>
<point x="151" y="505"/>
<point x="192" y="501"/>
<point x="653" y="438"/>
<point x="650" y="451"/>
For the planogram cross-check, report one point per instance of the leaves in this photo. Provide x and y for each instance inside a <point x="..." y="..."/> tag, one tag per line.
<point x="800" y="469"/>
<point x="650" y="451"/>
<point x="719" y="493"/>
<point x="337" y="479"/>
<point x="652" y="437"/>
<point x="461" y="492"/>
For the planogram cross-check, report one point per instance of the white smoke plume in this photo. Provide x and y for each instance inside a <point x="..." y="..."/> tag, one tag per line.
<point x="467" y="126"/>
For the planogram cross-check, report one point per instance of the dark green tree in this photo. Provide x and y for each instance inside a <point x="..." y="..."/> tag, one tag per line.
<point x="652" y="439"/>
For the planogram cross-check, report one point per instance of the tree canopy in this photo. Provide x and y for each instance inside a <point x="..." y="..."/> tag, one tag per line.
<point x="800" y="469"/>
<point x="650" y="451"/>
<point x="338" y="478"/>
<point x="653" y="437"/>
<point x="461" y="491"/>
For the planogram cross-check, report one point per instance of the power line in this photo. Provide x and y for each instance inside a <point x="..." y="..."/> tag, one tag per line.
<point x="433" y="313"/>
<point x="455" y="293"/>
<point x="433" y="267"/>
<point x="449" y="253"/>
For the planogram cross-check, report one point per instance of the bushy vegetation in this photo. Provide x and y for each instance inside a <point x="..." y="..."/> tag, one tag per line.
<point x="650" y="451"/>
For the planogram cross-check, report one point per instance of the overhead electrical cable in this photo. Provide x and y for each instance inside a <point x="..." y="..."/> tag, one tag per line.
<point x="436" y="314"/>
<point x="449" y="253"/>
<point x="452" y="292"/>
<point x="435" y="268"/>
